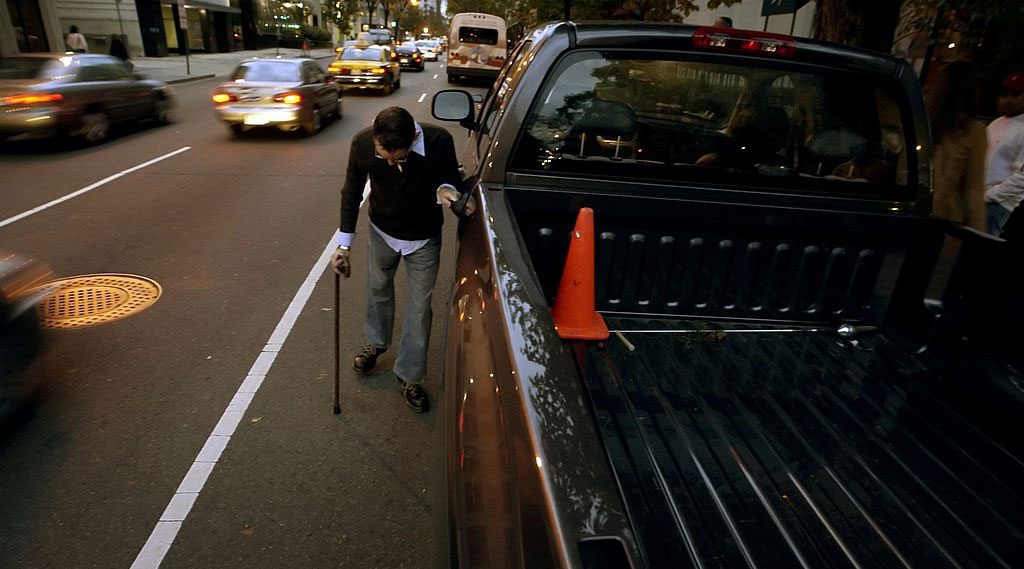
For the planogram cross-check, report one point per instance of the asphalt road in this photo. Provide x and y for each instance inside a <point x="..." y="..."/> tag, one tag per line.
<point x="231" y="229"/>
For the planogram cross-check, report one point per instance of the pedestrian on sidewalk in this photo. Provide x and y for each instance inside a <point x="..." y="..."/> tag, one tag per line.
<point x="413" y="174"/>
<point x="76" y="41"/>
<point x="960" y="144"/>
<point x="1004" y="174"/>
<point x="120" y="51"/>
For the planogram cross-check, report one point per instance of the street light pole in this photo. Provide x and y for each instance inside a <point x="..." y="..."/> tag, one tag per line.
<point x="120" y="24"/>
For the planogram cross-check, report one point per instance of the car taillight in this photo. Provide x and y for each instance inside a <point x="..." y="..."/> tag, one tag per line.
<point x="224" y="98"/>
<point x="744" y="41"/>
<point x="415" y="56"/>
<point x="379" y="70"/>
<point x="288" y="99"/>
<point x="33" y="99"/>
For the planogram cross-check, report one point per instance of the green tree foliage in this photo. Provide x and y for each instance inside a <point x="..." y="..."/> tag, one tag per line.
<point x="339" y="13"/>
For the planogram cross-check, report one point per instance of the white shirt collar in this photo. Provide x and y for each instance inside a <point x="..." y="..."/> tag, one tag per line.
<point x="418" y="145"/>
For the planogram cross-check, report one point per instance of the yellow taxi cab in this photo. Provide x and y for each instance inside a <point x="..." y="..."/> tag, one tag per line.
<point x="366" y="66"/>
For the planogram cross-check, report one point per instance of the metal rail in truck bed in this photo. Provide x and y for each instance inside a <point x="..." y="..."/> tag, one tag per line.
<point x="738" y="449"/>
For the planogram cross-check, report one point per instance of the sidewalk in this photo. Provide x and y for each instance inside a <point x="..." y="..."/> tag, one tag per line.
<point x="172" y="69"/>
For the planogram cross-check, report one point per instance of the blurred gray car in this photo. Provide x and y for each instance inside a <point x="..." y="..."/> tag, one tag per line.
<point x="287" y="94"/>
<point x="81" y="94"/>
<point x="22" y="281"/>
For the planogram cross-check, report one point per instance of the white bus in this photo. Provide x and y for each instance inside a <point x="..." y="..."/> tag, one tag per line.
<point x="476" y="46"/>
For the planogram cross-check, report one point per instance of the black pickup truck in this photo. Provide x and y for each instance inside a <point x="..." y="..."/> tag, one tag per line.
<point x="804" y="368"/>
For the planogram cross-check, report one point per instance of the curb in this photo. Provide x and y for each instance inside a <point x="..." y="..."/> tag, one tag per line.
<point x="190" y="78"/>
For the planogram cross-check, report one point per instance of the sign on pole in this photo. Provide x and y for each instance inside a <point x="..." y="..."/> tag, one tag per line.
<point x="182" y="15"/>
<point x="777" y="7"/>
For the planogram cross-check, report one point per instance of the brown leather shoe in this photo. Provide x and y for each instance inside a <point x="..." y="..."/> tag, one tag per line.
<point x="415" y="396"/>
<point x="367" y="358"/>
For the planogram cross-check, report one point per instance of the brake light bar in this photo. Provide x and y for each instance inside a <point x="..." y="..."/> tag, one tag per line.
<point x="35" y="99"/>
<point x="744" y="41"/>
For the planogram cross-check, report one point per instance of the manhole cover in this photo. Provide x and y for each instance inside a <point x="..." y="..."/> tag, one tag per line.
<point x="77" y="302"/>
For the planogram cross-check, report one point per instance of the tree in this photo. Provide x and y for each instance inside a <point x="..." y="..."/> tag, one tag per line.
<point x="983" y="32"/>
<point x="339" y="13"/>
<point x="863" y="23"/>
<point x="399" y="7"/>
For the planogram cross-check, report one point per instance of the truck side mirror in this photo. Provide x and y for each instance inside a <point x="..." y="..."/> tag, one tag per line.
<point x="454" y="105"/>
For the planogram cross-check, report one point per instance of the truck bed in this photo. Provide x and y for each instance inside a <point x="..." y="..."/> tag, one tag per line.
<point x="741" y="448"/>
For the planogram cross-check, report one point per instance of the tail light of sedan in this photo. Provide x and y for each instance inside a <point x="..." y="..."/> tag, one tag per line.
<point x="224" y="98"/>
<point x="379" y="70"/>
<point x="288" y="98"/>
<point x="32" y="99"/>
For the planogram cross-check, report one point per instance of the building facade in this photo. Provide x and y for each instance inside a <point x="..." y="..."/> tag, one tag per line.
<point x="153" y="28"/>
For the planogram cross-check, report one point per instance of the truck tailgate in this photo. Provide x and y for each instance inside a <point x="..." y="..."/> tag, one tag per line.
<point x="796" y="449"/>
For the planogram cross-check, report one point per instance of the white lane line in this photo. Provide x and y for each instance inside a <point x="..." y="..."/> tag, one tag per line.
<point x="90" y="187"/>
<point x="435" y="76"/>
<point x="423" y="96"/>
<point x="442" y="66"/>
<point x="177" y="510"/>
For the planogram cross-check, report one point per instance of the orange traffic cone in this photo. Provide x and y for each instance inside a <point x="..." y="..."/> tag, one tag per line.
<point x="574" y="314"/>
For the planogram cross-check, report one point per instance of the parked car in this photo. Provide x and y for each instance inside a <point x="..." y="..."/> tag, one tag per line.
<point x="20" y="337"/>
<point x="287" y="94"/>
<point x="366" y="67"/>
<point x="429" y="49"/>
<point x="410" y="57"/>
<point x="45" y="95"/>
<point x="685" y="332"/>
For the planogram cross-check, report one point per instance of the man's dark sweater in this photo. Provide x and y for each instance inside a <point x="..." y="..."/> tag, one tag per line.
<point x="403" y="202"/>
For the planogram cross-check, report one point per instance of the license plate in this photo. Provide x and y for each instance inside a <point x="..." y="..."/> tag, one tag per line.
<point x="255" y="120"/>
<point x="404" y="60"/>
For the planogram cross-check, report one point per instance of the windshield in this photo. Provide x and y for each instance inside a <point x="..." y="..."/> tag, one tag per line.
<point x="425" y="44"/>
<point x="676" y="121"/>
<point x="406" y="50"/>
<point x="269" y="71"/>
<point x="355" y="53"/>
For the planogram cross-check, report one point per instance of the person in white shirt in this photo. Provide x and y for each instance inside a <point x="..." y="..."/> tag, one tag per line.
<point x="76" y="41"/>
<point x="1004" y="163"/>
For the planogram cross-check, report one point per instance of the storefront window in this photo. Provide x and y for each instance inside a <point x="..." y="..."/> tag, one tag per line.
<point x="28" y="25"/>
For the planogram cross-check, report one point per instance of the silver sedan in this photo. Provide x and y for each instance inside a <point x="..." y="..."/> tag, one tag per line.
<point x="50" y="94"/>
<point x="287" y="94"/>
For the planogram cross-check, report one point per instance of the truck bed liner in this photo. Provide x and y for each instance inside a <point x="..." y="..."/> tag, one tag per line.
<point x="788" y="449"/>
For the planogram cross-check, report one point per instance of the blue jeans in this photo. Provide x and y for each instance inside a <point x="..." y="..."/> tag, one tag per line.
<point x="421" y="268"/>
<point x="995" y="218"/>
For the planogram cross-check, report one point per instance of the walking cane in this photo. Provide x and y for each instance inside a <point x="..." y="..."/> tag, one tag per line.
<point x="337" y="342"/>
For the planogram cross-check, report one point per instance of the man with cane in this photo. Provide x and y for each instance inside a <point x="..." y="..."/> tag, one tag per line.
<point x="413" y="174"/>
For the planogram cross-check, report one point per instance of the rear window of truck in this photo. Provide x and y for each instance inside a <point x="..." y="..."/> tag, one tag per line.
<point x="631" y="116"/>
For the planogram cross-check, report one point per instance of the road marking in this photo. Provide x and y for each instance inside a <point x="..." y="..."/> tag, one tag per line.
<point x="90" y="187"/>
<point x="177" y="510"/>
<point x="423" y="96"/>
<point x="442" y="67"/>
<point x="435" y="76"/>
